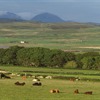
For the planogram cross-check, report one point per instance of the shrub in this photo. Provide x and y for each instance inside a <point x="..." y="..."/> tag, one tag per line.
<point x="70" y="64"/>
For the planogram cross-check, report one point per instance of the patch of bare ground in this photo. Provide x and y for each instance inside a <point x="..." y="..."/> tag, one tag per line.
<point x="92" y="47"/>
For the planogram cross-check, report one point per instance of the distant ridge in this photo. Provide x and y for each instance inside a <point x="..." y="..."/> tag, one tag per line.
<point x="43" y="17"/>
<point x="9" y="16"/>
<point x="47" y="17"/>
<point x="6" y="20"/>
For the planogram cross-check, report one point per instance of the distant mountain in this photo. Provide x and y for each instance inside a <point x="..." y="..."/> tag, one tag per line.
<point x="47" y="17"/>
<point x="5" y="20"/>
<point x="10" y="16"/>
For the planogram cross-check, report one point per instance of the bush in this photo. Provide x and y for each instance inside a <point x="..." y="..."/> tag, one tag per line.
<point x="70" y="64"/>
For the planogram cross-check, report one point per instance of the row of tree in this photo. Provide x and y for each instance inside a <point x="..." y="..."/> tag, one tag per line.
<point x="44" y="57"/>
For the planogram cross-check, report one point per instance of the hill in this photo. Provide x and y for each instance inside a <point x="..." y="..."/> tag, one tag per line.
<point x="47" y="17"/>
<point x="9" y="16"/>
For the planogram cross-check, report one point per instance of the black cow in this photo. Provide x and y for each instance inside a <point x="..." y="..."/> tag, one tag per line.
<point x="20" y="84"/>
<point x="4" y="76"/>
<point x="88" y="92"/>
<point x="37" y="84"/>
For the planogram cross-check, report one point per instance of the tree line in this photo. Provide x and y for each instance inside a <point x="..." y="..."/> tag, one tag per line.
<point x="44" y="57"/>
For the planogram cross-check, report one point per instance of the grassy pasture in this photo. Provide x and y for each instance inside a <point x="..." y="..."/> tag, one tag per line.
<point x="28" y="92"/>
<point x="71" y="36"/>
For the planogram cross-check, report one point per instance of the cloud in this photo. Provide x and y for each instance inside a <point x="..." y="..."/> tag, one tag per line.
<point x="55" y="0"/>
<point x="3" y="12"/>
<point x="66" y="1"/>
<point x="29" y="15"/>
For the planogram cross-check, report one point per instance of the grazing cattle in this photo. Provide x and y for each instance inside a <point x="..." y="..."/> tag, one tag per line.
<point x="36" y="80"/>
<point x="48" y="77"/>
<point x="8" y="77"/>
<point x="54" y="91"/>
<point x="37" y="84"/>
<point x="72" y="79"/>
<point x="23" y="77"/>
<point x="2" y="75"/>
<point x="57" y="91"/>
<point x="88" y="92"/>
<point x="20" y="84"/>
<point x="76" y="91"/>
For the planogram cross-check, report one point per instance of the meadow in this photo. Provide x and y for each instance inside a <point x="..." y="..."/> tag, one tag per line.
<point x="9" y="91"/>
<point x="65" y="36"/>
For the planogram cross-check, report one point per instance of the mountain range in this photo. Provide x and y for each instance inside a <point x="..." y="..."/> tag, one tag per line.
<point x="43" y="17"/>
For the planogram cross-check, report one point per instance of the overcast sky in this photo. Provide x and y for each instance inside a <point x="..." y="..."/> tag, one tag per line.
<point x="74" y="10"/>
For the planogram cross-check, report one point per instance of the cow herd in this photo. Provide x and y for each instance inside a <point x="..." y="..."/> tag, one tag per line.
<point x="23" y="83"/>
<point x="87" y="92"/>
<point x="38" y="83"/>
<point x="75" y="92"/>
<point x="52" y="90"/>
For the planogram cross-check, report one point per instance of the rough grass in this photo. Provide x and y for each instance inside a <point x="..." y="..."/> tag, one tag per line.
<point x="71" y="36"/>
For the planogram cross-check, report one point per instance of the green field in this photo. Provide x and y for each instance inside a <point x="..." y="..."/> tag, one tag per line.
<point x="28" y="92"/>
<point x="9" y="91"/>
<point x="66" y="36"/>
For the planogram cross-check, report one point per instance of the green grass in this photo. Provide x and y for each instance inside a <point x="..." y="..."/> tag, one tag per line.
<point x="54" y="71"/>
<point x="28" y="92"/>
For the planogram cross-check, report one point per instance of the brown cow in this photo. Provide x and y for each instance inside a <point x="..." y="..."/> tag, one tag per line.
<point x="54" y="91"/>
<point x="57" y="91"/>
<point x="88" y="92"/>
<point x="76" y="91"/>
<point x="72" y="79"/>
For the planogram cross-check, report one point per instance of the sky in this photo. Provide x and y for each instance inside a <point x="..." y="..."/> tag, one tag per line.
<point x="69" y="10"/>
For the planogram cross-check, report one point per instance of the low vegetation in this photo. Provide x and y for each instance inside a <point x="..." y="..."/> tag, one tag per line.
<point x="65" y="36"/>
